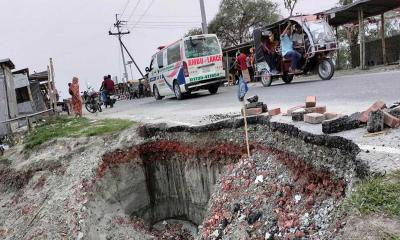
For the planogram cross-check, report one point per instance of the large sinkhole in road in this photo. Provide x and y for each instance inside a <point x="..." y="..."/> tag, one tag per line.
<point x="163" y="180"/>
<point x="172" y="173"/>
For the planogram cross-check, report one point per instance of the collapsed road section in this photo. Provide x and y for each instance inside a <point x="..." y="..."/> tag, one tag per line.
<point x="159" y="182"/>
<point x="201" y="177"/>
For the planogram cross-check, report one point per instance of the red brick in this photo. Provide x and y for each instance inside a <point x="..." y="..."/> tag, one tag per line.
<point x="291" y="110"/>
<point x="391" y="121"/>
<point x="314" y="118"/>
<point x="274" y="112"/>
<point x="253" y="111"/>
<point x="299" y="234"/>
<point x="311" y="101"/>
<point x="320" y="109"/>
<point x="376" y="106"/>
<point x="330" y="115"/>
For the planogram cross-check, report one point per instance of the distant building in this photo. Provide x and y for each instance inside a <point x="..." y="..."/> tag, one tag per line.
<point x="39" y="84"/>
<point x="23" y="92"/>
<point x="8" y="100"/>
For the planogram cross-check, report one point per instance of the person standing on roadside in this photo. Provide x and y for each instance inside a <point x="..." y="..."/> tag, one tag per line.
<point x="250" y="64"/>
<point x="76" y="97"/>
<point x="242" y="61"/>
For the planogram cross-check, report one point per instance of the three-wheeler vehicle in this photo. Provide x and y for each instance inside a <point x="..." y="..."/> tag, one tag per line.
<point x="313" y="38"/>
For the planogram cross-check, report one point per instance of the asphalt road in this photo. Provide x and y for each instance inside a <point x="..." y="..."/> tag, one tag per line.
<point x="344" y="94"/>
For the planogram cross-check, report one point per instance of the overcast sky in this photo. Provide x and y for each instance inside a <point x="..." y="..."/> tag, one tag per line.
<point x="75" y="33"/>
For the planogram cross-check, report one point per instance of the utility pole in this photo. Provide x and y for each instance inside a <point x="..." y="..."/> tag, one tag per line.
<point x="203" y="17"/>
<point x="118" y="24"/>
<point x="130" y="66"/>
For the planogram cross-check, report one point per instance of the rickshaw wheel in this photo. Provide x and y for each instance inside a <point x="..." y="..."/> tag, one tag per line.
<point x="287" y="78"/>
<point x="266" y="79"/>
<point x="326" y="69"/>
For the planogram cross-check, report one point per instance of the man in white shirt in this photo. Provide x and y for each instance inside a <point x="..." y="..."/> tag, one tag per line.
<point x="298" y="37"/>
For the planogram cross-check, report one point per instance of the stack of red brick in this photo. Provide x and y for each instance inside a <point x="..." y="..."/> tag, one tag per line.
<point x="390" y="117"/>
<point x="258" y="108"/>
<point x="310" y="112"/>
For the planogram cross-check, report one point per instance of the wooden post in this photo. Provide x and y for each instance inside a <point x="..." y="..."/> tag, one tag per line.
<point x="246" y="130"/>
<point x="227" y="66"/>
<point x="49" y="87"/>
<point x="53" y="83"/>
<point x="362" y="38"/>
<point x="338" y="49"/>
<point x="384" y="59"/>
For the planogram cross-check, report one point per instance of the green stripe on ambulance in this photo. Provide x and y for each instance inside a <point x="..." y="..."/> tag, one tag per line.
<point x="205" y="77"/>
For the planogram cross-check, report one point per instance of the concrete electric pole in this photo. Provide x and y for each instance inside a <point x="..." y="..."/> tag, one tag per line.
<point x="118" y="24"/>
<point x="203" y="17"/>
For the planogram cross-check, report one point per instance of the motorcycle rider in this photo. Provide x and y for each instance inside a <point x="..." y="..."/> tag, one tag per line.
<point x="107" y="89"/>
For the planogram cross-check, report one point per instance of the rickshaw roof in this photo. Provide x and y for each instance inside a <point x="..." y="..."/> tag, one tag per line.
<point x="349" y="13"/>
<point x="299" y="19"/>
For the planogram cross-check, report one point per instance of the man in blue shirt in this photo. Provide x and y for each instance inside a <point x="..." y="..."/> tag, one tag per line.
<point x="288" y="52"/>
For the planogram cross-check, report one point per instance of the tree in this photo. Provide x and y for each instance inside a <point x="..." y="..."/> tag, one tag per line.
<point x="236" y="19"/>
<point x="345" y="2"/>
<point x="194" y="31"/>
<point x="289" y="5"/>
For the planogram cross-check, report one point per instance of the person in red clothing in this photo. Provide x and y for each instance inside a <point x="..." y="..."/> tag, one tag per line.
<point x="242" y="61"/>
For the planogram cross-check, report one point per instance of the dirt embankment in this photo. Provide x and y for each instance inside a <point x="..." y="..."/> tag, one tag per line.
<point x="128" y="185"/>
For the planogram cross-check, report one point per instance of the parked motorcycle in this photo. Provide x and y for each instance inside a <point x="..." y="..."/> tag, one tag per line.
<point x="93" y="102"/>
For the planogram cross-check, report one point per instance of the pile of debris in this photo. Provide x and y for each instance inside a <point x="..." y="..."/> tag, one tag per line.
<point x="375" y="117"/>
<point x="254" y="107"/>
<point x="273" y="197"/>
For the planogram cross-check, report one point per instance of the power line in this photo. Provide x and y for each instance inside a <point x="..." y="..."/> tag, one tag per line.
<point x="167" y="22"/>
<point x="125" y="7"/>
<point x="133" y="11"/>
<point x="145" y="12"/>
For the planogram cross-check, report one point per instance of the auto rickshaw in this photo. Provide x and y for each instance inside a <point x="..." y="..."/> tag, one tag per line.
<point x="318" y="44"/>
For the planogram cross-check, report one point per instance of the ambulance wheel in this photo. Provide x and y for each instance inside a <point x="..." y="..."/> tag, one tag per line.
<point x="156" y="93"/>
<point x="177" y="91"/>
<point x="213" y="89"/>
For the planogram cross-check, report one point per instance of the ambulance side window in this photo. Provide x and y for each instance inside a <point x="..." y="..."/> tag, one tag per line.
<point x="173" y="53"/>
<point x="160" y="60"/>
<point x="151" y="65"/>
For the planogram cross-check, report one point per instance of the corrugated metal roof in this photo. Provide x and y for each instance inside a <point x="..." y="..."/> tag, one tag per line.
<point x="349" y="13"/>
<point x="39" y="76"/>
<point x="8" y="63"/>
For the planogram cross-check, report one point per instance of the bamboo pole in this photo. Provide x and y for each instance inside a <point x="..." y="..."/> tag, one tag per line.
<point x="246" y="130"/>
<point x="383" y="39"/>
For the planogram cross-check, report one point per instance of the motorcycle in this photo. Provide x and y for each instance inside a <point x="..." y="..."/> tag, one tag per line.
<point x="93" y="102"/>
<point x="109" y="99"/>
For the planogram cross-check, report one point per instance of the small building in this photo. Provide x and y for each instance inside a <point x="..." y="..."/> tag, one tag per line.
<point x="40" y="90"/>
<point x="8" y="100"/>
<point x="23" y="92"/>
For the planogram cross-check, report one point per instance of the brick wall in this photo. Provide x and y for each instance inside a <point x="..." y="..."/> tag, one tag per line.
<point x="373" y="52"/>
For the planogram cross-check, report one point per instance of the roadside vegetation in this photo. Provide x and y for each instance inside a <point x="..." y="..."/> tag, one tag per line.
<point x="64" y="127"/>
<point x="379" y="195"/>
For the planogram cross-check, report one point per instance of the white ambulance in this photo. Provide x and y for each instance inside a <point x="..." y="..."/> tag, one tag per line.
<point x="190" y="64"/>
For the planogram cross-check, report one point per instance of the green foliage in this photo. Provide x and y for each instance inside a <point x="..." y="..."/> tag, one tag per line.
<point x="72" y="128"/>
<point x="345" y="2"/>
<point x="377" y="195"/>
<point x="193" y="32"/>
<point x="236" y="19"/>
